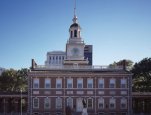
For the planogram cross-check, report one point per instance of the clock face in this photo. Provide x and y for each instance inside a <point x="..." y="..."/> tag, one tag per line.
<point x="75" y="51"/>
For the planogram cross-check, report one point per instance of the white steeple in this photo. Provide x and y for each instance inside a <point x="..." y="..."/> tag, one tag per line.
<point x="75" y="45"/>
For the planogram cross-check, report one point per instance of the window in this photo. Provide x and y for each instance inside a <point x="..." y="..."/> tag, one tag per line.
<point x="101" y="103"/>
<point x="112" y="103"/>
<point x="58" y="103"/>
<point x="90" y="103"/>
<point x="123" y="103"/>
<point x="80" y="83"/>
<point x="71" y="34"/>
<point x="35" y="102"/>
<point x="112" y="83"/>
<point x="47" y="103"/>
<point x="69" y="83"/>
<point x="59" y="83"/>
<point x="70" y="102"/>
<point x="123" y="83"/>
<point x="36" y="83"/>
<point x="75" y="33"/>
<point x="90" y="83"/>
<point x="47" y="83"/>
<point x="101" y="83"/>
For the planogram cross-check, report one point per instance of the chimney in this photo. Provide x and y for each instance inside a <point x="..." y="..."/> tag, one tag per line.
<point x="33" y="64"/>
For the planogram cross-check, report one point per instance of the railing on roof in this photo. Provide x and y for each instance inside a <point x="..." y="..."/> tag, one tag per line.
<point x="78" y="67"/>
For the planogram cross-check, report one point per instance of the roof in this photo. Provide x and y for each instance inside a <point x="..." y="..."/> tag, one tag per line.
<point x="75" y="25"/>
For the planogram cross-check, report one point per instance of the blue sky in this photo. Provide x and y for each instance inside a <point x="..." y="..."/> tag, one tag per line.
<point x="117" y="29"/>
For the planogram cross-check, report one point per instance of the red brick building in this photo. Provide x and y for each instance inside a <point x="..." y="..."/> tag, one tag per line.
<point x="107" y="90"/>
<point x="66" y="81"/>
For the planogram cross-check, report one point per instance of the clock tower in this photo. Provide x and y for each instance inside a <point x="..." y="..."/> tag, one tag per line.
<point x="75" y="45"/>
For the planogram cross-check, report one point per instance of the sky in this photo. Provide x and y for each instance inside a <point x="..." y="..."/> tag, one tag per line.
<point x="117" y="29"/>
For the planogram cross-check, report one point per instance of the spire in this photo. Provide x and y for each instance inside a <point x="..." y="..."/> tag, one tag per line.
<point x="75" y="8"/>
<point x="75" y="19"/>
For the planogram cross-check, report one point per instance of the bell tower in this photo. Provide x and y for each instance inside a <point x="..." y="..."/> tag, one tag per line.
<point x="75" y="45"/>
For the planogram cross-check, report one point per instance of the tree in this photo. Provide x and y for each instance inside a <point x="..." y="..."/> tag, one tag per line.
<point x="128" y="63"/>
<point x="13" y="80"/>
<point x="142" y="75"/>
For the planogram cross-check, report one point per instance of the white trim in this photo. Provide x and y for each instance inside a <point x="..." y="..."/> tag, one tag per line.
<point x="101" y="100"/>
<point x="68" y="103"/>
<point x="100" y="81"/>
<point x="58" y="82"/>
<point x="47" y="81"/>
<point x="47" y="100"/>
<point x="68" y="82"/>
<point x="79" y="81"/>
<point x="34" y="103"/>
<point x="58" y="99"/>
<point x="88" y="103"/>
<point x="90" y="82"/>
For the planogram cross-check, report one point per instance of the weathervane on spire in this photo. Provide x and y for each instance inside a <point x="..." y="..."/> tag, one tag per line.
<point x="75" y="19"/>
<point x="74" y="7"/>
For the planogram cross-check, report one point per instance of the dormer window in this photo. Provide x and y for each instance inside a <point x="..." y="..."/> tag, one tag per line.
<point x="75" y="33"/>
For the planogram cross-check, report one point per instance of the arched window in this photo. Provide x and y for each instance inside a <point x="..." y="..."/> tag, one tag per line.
<point x="101" y="103"/>
<point x="70" y="102"/>
<point x="75" y="33"/>
<point x="112" y="103"/>
<point x="71" y="34"/>
<point x="58" y="103"/>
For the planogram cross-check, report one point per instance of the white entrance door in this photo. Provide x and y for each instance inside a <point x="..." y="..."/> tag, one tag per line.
<point x="79" y="105"/>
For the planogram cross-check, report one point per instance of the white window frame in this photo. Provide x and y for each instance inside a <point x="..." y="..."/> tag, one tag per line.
<point x="58" y="100"/>
<point x="112" y="83"/>
<point x="88" y="103"/>
<point x="36" y="83"/>
<point x="47" y="101"/>
<point x="101" y="83"/>
<point x="123" y="101"/>
<point x="47" y="82"/>
<point x="79" y="81"/>
<point x="100" y="101"/>
<point x="90" y="83"/>
<point x="123" y="83"/>
<point x="112" y="101"/>
<point x="70" y="102"/>
<point x="37" y="103"/>
<point x="69" y="83"/>
<point x="58" y="82"/>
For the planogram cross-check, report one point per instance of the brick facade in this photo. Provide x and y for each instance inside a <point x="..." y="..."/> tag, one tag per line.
<point x="95" y="93"/>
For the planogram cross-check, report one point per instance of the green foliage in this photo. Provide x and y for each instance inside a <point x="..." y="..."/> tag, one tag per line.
<point x="142" y="75"/>
<point x="13" y="80"/>
<point x="128" y="63"/>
